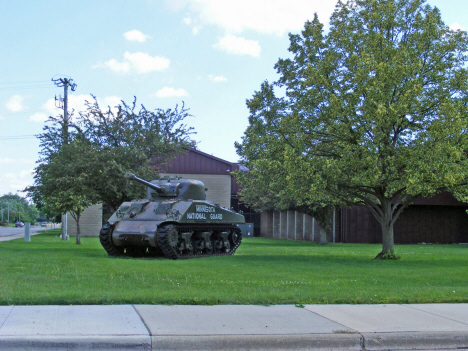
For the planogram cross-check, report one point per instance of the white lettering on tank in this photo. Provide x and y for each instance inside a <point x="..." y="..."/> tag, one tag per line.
<point x="204" y="208"/>
<point x="196" y="216"/>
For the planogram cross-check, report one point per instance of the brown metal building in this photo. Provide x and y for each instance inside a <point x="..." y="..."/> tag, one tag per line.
<point x="216" y="174"/>
<point x="441" y="219"/>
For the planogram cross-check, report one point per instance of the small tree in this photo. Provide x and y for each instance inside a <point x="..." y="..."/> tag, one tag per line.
<point x="375" y="111"/>
<point x="63" y="185"/>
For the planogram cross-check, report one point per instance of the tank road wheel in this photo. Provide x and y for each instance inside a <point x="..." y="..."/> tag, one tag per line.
<point x="105" y="236"/>
<point x="167" y="237"/>
<point x="235" y="237"/>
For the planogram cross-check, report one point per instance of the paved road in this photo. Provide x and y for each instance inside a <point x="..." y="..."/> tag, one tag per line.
<point x="6" y="232"/>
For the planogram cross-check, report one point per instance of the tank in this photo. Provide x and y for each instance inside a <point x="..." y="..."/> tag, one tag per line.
<point x="175" y="221"/>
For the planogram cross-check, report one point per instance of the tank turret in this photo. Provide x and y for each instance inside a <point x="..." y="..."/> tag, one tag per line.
<point x="183" y="189"/>
<point x="175" y="218"/>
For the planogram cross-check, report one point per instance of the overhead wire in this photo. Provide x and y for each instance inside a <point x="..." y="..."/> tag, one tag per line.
<point x="17" y="137"/>
<point x="38" y="84"/>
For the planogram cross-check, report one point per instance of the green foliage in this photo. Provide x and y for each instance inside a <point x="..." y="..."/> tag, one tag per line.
<point x="51" y="271"/>
<point x="373" y="113"/>
<point x="20" y="209"/>
<point x="103" y="146"/>
<point x="63" y="184"/>
<point x="130" y="141"/>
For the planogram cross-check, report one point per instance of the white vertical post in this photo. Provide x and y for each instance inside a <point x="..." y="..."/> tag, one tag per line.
<point x="27" y="232"/>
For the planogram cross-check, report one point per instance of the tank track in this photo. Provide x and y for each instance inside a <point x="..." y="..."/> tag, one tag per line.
<point x="183" y="241"/>
<point x="105" y="237"/>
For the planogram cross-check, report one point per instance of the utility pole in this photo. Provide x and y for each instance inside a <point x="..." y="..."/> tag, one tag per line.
<point x="65" y="83"/>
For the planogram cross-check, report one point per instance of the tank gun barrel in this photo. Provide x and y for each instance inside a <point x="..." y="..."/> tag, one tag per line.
<point x="160" y="189"/>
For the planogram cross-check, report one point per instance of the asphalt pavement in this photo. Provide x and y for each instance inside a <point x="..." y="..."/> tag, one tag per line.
<point x="10" y="233"/>
<point x="235" y="327"/>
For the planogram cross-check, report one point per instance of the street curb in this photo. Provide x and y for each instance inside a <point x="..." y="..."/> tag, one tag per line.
<point x="415" y="340"/>
<point x="66" y="343"/>
<point x="335" y="342"/>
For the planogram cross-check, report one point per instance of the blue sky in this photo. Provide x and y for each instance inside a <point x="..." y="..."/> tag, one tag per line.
<point x="210" y="54"/>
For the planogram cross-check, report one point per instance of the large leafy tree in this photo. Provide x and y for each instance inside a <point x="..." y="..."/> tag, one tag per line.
<point x="123" y="139"/>
<point x="373" y="112"/>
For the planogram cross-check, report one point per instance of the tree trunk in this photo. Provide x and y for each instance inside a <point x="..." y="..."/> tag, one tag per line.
<point x="78" y="230"/>
<point x="386" y="222"/>
<point x="323" y="235"/>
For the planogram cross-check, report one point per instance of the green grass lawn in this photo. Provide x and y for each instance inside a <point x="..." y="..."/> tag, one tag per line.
<point x="48" y="270"/>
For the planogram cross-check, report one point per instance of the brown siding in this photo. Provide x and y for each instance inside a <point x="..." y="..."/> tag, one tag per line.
<point x="266" y="224"/>
<point x="417" y="224"/>
<point x="432" y="224"/>
<point x="359" y="226"/>
<point x="197" y="162"/>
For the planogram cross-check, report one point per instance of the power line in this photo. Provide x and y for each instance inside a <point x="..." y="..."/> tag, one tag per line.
<point x="17" y="137"/>
<point x="38" y="84"/>
<point x="27" y="87"/>
<point x="30" y="82"/>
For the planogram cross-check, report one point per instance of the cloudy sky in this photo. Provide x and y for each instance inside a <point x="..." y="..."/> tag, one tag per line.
<point x="210" y="54"/>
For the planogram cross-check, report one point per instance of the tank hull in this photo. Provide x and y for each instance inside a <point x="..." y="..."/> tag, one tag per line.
<point x="176" y="229"/>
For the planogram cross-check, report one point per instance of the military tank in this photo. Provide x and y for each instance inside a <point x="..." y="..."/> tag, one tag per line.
<point x="175" y="221"/>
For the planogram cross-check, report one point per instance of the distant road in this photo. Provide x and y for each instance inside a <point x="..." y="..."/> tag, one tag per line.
<point x="7" y="231"/>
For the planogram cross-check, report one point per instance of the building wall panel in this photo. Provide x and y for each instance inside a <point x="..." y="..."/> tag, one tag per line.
<point x="90" y="222"/>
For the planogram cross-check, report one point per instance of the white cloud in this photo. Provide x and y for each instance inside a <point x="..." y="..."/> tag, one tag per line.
<point x="274" y="16"/>
<point x="190" y="22"/>
<point x="39" y="117"/>
<point x="167" y="92"/>
<point x="456" y="26"/>
<point x="217" y="79"/>
<point x="116" y="66"/>
<point x="238" y="46"/>
<point x="144" y="63"/>
<point x="12" y="182"/>
<point x="2" y="118"/>
<point x="136" y="35"/>
<point x="15" y="103"/>
<point x="138" y="62"/>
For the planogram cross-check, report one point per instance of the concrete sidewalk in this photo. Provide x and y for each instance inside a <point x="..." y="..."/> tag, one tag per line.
<point x="280" y="327"/>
